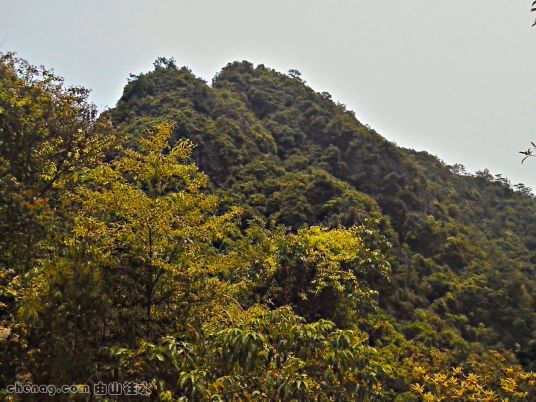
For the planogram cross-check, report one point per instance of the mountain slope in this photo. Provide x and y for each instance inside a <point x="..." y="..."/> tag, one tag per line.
<point x="463" y="245"/>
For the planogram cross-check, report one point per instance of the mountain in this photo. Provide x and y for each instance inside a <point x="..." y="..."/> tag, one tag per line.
<point x="249" y="240"/>
<point x="463" y="245"/>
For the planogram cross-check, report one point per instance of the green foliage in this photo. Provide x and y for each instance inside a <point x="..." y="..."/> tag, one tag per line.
<point x="328" y="274"/>
<point x="314" y="261"/>
<point x="144" y="218"/>
<point x="48" y="133"/>
<point x="323" y="167"/>
<point x="258" y="354"/>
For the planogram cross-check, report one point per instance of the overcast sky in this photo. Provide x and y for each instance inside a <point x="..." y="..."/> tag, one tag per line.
<point x="454" y="78"/>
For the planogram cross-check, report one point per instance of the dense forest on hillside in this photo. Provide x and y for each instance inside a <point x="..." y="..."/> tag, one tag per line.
<point x="251" y="240"/>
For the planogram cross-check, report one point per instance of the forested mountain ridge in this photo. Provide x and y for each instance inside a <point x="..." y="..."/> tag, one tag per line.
<point x="464" y="244"/>
<point x="314" y="261"/>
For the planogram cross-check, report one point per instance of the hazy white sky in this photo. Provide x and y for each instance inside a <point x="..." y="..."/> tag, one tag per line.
<point x="454" y="78"/>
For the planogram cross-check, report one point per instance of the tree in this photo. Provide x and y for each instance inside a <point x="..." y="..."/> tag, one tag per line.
<point x="149" y="226"/>
<point x="259" y="354"/>
<point x="48" y="134"/>
<point x="163" y="63"/>
<point x="329" y="274"/>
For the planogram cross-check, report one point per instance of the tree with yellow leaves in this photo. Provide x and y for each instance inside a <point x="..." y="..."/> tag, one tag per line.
<point x="147" y="223"/>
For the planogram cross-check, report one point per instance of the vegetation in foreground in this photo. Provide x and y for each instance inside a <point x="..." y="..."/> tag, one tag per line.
<point x="313" y="261"/>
